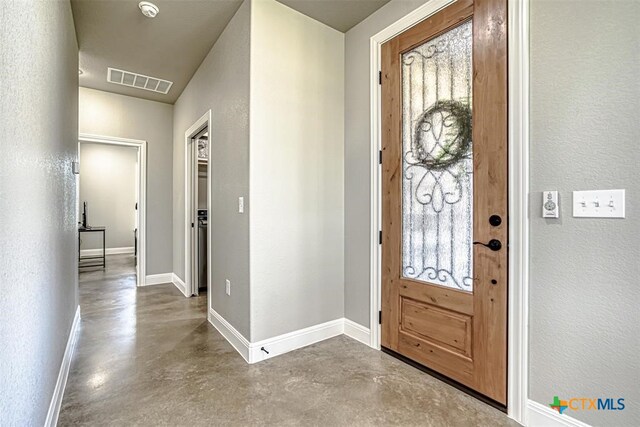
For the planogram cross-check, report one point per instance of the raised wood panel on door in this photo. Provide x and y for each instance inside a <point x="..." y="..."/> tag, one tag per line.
<point x="457" y="333"/>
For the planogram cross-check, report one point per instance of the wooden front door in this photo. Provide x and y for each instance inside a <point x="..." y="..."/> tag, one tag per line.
<point x="444" y="202"/>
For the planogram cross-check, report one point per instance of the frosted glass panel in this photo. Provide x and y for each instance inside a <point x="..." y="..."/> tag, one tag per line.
<point x="437" y="184"/>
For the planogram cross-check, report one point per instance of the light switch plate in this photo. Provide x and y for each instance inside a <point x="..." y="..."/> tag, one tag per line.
<point x="75" y="166"/>
<point x="598" y="204"/>
<point x="227" y="287"/>
<point x="240" y="204"/>
<point x="550" y="206"/>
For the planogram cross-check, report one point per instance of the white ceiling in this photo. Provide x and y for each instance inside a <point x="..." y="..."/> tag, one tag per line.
<point x="171" y="46"/>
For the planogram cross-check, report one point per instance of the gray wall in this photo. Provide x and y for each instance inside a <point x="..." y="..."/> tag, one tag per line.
<point x="38" y="142"/>
<point x="297" y="146"/>
<point x="109" y="114"/>
<point x="222" y="85"/>
<point x="357" y="143"/>
<point x="108" y="185"/>
<point x="585" y="134"/>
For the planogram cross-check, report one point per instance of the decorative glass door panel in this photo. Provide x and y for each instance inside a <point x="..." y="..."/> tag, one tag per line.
<point x="444" y="194"/>
<point x="437" y="160"/>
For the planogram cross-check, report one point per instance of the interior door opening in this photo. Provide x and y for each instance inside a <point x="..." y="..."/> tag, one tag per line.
<point x="110" y="203"/>
<point x="197" y="204"/>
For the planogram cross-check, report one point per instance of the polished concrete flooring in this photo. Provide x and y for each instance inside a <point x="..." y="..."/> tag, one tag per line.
<point x="148" y="356"/>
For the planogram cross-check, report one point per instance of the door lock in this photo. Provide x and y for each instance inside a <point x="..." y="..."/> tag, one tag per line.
<point x="495" y="220"/>
<point x="494" y="244"/>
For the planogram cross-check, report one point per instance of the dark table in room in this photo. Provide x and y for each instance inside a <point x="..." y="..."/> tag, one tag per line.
<point x="92" y="261"/>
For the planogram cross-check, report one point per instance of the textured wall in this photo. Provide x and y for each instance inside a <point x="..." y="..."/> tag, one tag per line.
<point x="585" y="97"/>
<point x="110" y="114"/>
<point x="108" y="185"/>
<point x="357" y="146"/>
<point x="38" y="142"/>
<point x="297" y="134"/>
<point x="222" y="85"/>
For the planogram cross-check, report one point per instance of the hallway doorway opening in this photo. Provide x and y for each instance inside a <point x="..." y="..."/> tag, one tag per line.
<point x="111" y="204"/>
<point x="197" y="207"/>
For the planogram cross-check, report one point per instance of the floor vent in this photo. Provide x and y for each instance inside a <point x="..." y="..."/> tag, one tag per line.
<point x="140" y="81"/>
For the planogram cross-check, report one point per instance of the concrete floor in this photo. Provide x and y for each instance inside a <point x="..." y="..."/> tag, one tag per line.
<point x="148" y="356"/>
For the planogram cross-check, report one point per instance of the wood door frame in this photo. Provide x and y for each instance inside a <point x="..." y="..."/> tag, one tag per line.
<point x="190" y="215"/>
<point x="518" y="190"/>
<point x="141" y="174"/>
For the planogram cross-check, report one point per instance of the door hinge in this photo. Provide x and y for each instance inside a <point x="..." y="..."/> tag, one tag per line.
<point x="379" y="77"/>
<point x="380" y="157"/>
<point x="380" y="237"/>
<point x="380" y="317"/>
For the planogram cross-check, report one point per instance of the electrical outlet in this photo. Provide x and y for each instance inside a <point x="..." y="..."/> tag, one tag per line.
<point x="240" y="204"/>
<point x="227" y="287"/>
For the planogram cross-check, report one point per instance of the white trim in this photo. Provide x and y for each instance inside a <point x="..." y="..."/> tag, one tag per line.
<point x="108" y="251"/>
<point x="518" y="189"/>
<point x="189" y="215"/>
<point x="235" y="338"/>
<point x="357" y="332"/>
<point x="158" y="279"/>
<point x="141" y="268"/>
<point x="63" y="374"/>
<point x="294" y="340"/>
<point x="179" y="284"/>
<point x="539" y="415"/>
<point x="281" y="344"/>
<point x="518" y="332"/>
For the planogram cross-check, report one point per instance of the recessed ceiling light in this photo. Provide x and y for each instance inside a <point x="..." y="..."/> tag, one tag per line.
<point x="148" y="9"/>
<point x="80" y="72"/>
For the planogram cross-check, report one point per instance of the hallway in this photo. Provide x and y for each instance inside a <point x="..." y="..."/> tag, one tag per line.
<point x="148" y="356"/>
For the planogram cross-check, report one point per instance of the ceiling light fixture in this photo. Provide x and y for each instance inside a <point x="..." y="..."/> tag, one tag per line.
<point x="148" y="9"/>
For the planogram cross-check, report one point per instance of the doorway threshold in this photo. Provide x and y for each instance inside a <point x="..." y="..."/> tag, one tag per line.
<point x="445" y="379"/>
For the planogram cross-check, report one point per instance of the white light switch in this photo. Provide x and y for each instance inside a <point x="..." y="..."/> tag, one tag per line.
<point x="240" y="204"/>
<point x="598" y="204"/>
<point x="550" y="207"/>
<point x="227" y="287"/>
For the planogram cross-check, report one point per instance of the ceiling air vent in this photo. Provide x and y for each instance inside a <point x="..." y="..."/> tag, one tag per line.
<point x="140" y="81"/>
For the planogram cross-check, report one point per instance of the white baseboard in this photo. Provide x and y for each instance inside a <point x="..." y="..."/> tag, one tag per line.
<point x="235" y="338"/>
<point x="539" y="415"/>
<point x="179" y="284"/>
<point x="158" y="279"/>
<point x="294" y="340"/>
<point x="281" y="344"/>
<point x="63" y="374"/>
<point x="357" y="332"/>
<point x="108" y="251"/>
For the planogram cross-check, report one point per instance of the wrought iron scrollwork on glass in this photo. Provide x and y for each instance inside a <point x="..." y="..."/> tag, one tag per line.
<point x="437" y="209"/>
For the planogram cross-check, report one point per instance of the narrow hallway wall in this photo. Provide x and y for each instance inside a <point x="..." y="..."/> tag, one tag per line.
<point x="38" y="143"/>
<point x="222" y="85"/>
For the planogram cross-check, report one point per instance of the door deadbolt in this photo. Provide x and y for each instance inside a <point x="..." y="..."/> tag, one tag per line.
<point x="495" y="220"/>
